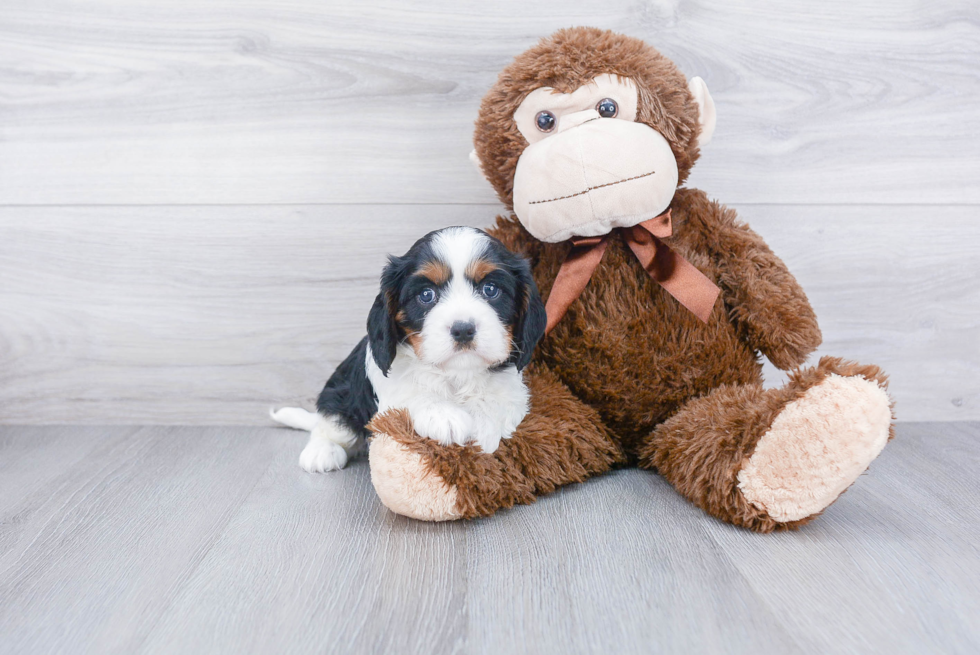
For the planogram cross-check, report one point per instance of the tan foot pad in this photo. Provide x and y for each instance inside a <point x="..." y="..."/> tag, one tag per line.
<point x="406" y="485"/>
<point x="817" y="447"/>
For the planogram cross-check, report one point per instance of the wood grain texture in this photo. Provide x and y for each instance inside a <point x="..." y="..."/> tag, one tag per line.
<point x="891" y="567"/>
<point x="92" y="557"/>
<point x="167" y="314"/>
<point x="333" y="571"/>
<point x="893" y="286"/>
<point x="148" y="540"/>
<point x="616" y="565"/>
<point x="324" y="102"/>
<point x="209" y="315"/>
<point x="196" y="199"/>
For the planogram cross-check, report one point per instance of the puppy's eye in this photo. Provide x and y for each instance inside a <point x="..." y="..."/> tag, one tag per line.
<point x="545" y="121"/>
<point x="427" y="296"/>
<point x="607" y="108"/>
<point x="490" y="291"/>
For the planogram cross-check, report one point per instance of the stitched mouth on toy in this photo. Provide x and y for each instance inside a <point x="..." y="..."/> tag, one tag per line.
<point x="592" y="188"/>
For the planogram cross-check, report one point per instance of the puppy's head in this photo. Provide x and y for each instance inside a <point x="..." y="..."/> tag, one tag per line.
<point x="460" y="300"/>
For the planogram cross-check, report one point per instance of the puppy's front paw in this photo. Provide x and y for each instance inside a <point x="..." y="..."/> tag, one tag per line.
<point x="321" y="455"/>
<point x="444" y="423"/>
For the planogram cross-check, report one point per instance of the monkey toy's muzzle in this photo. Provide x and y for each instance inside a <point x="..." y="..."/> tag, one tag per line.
<point x="593" y="175"/>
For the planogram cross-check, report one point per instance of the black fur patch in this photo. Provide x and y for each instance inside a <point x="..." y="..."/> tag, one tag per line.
<point x="519" y="304"/>
<point x="399" y="287"/>
<point x="348" y="394"/>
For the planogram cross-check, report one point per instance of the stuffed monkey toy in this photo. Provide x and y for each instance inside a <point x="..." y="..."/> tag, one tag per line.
<point x="660" y="304"/>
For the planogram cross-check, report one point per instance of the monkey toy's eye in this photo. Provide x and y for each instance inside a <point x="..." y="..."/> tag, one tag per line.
<point x="427" y="296"/>
<point x="545" y="121"/>
<point x="607" y="108"/>
<point x="490" y="291"/>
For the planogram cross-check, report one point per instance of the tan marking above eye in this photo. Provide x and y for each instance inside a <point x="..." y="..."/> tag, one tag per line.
<point x="479" y="269"/>
<point x="436" y="272"/>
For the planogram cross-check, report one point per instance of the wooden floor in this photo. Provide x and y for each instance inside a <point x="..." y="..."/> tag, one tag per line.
<point x="198" y="540"/>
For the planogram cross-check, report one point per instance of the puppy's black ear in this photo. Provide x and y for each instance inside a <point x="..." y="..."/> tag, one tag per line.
<point x="531" y="317"/>
<point x="382" y="334"/>
<point x="382" y="329"/>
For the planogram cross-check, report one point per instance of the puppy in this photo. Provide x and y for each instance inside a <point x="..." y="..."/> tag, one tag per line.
<point x="456" y="321"/>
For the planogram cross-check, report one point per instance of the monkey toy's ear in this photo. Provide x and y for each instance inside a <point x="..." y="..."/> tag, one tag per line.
<point x="706" y="109"/>
<point x="475" y="160"/>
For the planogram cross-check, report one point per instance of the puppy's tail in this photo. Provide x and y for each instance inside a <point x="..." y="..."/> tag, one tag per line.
<point x="295" y="417"/>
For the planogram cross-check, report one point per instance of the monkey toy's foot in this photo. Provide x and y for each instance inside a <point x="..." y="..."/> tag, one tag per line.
<point x="771" y="459"/>
<point x="403" y="471"/>
<point x="818" y="445"/>
<point x="561" y="440"/>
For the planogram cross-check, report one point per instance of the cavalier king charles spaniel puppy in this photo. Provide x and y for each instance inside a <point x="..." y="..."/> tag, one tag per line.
<point x="456" y="321"/>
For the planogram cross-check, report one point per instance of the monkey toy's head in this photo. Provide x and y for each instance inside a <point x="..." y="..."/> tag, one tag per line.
<point x="589" y="131"/>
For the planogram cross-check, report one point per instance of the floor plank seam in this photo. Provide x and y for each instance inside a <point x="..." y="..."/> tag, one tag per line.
<point x="756" y="592"/>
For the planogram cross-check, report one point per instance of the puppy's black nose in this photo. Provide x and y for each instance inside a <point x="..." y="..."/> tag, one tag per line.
<point x="463" y="331"/>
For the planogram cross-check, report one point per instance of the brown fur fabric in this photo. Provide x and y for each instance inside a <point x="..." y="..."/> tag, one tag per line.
<point x="627" y="348"/>
<point x="629" y="375"/>
<point x="702" y="447"/>
<point x="561" y="441"/>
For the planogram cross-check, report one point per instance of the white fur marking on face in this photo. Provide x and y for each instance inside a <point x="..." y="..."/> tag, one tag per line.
<point x="817" y="447"/>
<point x="458" y="246"/>
<point x="330" y="444"/>
<point x="460" y="301"/>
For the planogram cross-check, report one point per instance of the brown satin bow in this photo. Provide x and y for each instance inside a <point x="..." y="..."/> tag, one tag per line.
<point x="675" y="274"/>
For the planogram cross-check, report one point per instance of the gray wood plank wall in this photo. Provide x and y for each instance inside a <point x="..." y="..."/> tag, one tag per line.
<point x="196" y="198"/>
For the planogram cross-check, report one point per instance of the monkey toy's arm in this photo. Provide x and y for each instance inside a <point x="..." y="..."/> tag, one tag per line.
<point x="765" y="300"/>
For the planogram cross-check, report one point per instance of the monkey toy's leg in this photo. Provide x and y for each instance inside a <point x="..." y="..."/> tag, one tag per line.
<point x="774" y="459"/>
<point x="561" y="440"/>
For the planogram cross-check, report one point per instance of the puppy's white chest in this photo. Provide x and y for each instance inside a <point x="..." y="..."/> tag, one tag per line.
<point x="474" y="407"/>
